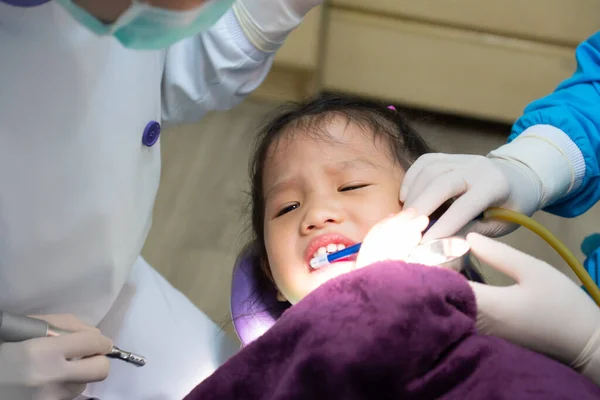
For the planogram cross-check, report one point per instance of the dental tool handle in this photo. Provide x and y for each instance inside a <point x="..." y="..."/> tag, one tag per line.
<point x="18" y="328"/>
<point x="325" y="259"/>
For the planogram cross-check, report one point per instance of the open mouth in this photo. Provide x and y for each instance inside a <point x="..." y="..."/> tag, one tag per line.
<point x="329" y="249"/>
<point x="328" y="244"/>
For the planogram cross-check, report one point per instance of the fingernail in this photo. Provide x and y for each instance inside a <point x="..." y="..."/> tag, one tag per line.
<point x="402" y="195"/>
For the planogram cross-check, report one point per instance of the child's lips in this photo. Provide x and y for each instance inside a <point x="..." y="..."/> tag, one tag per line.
<point x="323" y="241"/>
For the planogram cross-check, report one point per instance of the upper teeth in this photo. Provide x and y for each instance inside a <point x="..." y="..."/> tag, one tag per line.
<point x="330" y="248"/>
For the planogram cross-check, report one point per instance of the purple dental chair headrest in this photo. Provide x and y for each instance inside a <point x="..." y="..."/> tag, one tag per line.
<point x="253" y="312"/>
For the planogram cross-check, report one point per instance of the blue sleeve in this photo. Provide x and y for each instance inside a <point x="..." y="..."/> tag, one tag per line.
<point x="574" y="108"/>
<point x="591" y="265"/>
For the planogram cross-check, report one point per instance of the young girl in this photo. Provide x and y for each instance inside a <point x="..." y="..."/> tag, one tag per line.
<point x="325" y="172"/>
<point x="324" y="175"/>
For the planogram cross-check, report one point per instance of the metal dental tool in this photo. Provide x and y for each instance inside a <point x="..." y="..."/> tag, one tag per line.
<point x="452" y="253"/>
<point x="18" y="328"/>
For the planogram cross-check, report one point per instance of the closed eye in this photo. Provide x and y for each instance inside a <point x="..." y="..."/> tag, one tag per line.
<point x="287" y="209"/>
<point x="353" y="187"/>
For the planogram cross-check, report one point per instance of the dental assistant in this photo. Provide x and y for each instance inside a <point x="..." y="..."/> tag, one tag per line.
<point x="85" y="89"/>
<point x="551" y="161"/>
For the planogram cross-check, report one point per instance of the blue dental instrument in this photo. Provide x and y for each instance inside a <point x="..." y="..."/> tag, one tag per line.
<point x="326" y="259"/>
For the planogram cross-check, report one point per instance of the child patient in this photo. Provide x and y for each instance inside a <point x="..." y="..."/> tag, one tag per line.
<point x="324" y="176"/>
<point x="324" y="173"/>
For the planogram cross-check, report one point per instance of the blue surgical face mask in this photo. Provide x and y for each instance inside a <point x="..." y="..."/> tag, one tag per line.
<point x="144" y="27"/>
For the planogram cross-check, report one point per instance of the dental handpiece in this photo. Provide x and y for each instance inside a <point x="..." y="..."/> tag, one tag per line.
<point x="18" y="328"/>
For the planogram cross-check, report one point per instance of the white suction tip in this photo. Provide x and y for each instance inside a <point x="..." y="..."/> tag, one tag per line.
<point x="319" y="261"/>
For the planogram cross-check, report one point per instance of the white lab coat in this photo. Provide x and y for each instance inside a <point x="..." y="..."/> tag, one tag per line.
<point x="77" y="185"/>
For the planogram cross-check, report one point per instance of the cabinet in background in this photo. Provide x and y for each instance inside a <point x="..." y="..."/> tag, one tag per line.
<point x="484" y="59"/>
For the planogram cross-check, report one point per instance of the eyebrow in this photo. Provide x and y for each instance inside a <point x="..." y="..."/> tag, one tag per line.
<point x="355" y="163"/>
<point x="278" y="187"/>
<point x="334" y="168"/>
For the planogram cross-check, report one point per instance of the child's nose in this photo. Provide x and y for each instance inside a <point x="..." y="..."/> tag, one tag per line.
<point x="320" y="217"/>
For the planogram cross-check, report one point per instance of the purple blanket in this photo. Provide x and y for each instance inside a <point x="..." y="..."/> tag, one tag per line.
<point x="389" y="331"/>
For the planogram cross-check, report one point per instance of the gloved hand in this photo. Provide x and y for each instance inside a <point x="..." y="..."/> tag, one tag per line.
<point x="392" y="239"/>
<point x="55" y="368"/>
<point x="480" y="182"/>
<point x="544" y="311"/>
<point x="267" y="23"/>
<point x="523" y="176"/>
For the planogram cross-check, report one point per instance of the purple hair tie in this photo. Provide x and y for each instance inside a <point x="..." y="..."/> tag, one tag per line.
<point x="392" y="108"/>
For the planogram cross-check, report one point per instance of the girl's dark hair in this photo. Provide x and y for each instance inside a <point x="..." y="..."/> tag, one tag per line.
<point x="312" y="117"/>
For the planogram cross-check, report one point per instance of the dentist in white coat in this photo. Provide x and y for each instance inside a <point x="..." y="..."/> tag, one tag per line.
<point x="85" y="88"/>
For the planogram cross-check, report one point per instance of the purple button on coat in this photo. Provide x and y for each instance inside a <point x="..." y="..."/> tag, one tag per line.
<point x="151" y="133"/>
<point x="24" y="3"/>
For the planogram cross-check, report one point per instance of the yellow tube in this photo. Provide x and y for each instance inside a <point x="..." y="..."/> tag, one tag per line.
<point x="561" y="249"/>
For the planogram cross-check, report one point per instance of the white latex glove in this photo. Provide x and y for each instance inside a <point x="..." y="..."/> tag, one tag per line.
<point x="55" y="368"/>
<point x="267" y="23"/>
<point x="523" y="176"/>
<point x="392" y="239"/>
<point x="544" y="311"/>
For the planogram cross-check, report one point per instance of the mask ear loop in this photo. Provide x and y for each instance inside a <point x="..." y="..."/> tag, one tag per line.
<point x="127" y="16"/>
